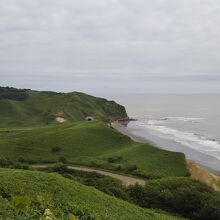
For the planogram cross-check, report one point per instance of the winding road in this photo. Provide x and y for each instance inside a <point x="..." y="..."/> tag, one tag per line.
<point x="126" y="180"/>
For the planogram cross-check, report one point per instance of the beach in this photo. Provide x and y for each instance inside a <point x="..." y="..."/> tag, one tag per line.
<point x="179" y="123"/>
<point x="139" y="134"/>
<point x="200" y="172"/>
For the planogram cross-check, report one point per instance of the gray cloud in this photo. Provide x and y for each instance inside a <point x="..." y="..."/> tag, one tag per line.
<point x="94" y="44"/>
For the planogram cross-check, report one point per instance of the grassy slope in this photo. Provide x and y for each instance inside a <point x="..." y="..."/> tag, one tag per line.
<point x="40" y="191"/>
<point x="40" y="108"/>
<point x="88" y="143"/>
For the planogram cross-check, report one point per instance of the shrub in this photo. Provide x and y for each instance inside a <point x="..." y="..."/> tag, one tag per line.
<point x="55" y="149"/>
<point x="21" y="160"/>
<point x="21" y="166"/>
<point x="118" y="168"/>
<point x="12" y="93"/>
<point x="94" y="164"/>
<point x="5" y="192"/>
<point x="183" y="196"/>
<point x="131" y="168"/>
<point x="62" y="160"/>
<point x="5" y="162"/>
<point x="114" y="159"/>
<point x="59" y="167"/>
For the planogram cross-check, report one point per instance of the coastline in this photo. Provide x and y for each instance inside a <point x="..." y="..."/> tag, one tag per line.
<point x="198" y="172"/>
<point x="121" y="128"/>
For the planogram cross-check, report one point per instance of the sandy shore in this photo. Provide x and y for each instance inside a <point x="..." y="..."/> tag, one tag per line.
<point x="204" y="176"/>
<point x="121" y="128"/>
<point x="198" y="172"/>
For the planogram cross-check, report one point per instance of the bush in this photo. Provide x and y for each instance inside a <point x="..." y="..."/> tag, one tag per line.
<point x="55" y="149"/>
<point x="114" y="159"/>
<point x="183" y="196"/>
<point x="94" y="164"/>
<point x="12" y="93"/>
<point x="62" y="160"/>
<point x="5" y="162"/>
<point x="21" y="166"/>
<point x="131" y="168"/>
<point x="21" y="160"/>
<point x="59" y="167"/>
<point x="118" y="168"/>
<point x="5" y="192"/>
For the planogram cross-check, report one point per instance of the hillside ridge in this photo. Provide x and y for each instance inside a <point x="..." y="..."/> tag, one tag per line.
<point x="25" y="107"/>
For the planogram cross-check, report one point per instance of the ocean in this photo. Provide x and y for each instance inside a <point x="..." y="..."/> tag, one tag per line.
<point x="182" y="123"/>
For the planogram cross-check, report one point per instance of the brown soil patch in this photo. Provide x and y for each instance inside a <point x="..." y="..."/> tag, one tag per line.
<point x="204" y="176"/>
<point x="60" y="117"/>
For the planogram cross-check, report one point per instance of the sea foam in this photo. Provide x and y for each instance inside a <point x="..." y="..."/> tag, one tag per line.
<point x="189" y="139"/>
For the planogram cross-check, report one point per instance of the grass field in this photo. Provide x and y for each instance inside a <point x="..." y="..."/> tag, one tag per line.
<point x="90" y="144"/>
<point x="35" y="195"/>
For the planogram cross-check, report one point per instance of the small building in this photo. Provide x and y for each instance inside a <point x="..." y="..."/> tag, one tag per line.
<point x="89" y="118"/>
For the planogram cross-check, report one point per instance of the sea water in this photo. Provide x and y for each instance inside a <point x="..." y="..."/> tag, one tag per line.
<point x="182" y="123"/>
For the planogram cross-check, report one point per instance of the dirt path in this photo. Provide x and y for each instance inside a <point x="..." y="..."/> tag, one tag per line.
<point x="126" y="180"/>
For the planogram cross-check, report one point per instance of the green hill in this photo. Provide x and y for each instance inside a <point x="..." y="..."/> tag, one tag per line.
<point x="32" y="195"/>
<point x="91" y="144"/>
<point x="29" y="108"/>
<point x="31" y="131"/>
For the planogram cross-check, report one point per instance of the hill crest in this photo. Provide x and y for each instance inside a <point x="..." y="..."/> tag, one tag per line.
<point x="25" y="107"/>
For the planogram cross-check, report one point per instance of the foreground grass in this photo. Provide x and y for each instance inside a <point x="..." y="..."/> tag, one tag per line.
<point x="32" y="195"/>
<point x="178" y="195"/>
<point x="90" y="144"/>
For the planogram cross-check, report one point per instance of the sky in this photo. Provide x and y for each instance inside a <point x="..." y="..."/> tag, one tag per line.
<point x="114" y="46"/>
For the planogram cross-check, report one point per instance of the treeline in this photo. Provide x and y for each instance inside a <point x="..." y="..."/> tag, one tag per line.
<point x="12" y="93"/>
<point x="181" y="196"/>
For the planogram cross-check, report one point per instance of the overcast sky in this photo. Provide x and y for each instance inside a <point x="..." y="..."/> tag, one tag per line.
<point x="113" y="46"/>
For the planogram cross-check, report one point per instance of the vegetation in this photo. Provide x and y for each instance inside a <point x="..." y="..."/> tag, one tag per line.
<point x="19" y="108"/>
<point x="184" y="196"/>
<point x="28" y="195"/>
<point x="90" y="144"/>
<point x="35" y="195"/>
<point x="13" y="94"/>
<point x="181" y="196"/>
<point x="103" y="183"/>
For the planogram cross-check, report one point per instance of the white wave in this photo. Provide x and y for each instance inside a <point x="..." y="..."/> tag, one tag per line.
<point x="196" y="142"/>
<point x="163" y="120"/>
<point x="154" y="122"/>
<point x="184" y="119"/>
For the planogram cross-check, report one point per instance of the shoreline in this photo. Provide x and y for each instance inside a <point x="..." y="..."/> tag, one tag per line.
<point x="198" y="172"/>
<point x="121" y="128"/>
